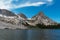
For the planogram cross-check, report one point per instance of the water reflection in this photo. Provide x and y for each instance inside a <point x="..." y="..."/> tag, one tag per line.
<point x="42" y="34"/>
<point x="38" y="35"/>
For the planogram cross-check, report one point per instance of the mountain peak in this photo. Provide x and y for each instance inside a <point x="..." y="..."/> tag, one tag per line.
<point x="41" y="13"/>
<point x="6" y="12"/>
<point x="40" y="18"/>
<point x="22" y="15"/>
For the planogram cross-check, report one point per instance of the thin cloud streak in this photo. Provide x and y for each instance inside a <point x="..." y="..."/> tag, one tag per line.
<point x="30" y="4"/>
<point x="7" y="4"/>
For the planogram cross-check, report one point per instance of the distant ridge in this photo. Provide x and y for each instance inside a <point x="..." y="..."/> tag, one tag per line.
<point x="22" y="15"/>
<point x="10" y="20"/>
<point x="40" y="18"/>
<point x="6" y="12"/>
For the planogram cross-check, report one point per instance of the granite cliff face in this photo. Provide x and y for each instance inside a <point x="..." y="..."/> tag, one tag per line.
<point x="40" y="18"/>
<point x="12" y="21"/>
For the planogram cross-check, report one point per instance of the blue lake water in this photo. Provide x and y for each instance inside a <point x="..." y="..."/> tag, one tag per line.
<point x="42" y="34"/>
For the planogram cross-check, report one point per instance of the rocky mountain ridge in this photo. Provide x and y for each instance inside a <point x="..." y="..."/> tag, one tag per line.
<point x="40" y="18"/>
<point x="9" y="17"/>
<point x="20" y="20"/>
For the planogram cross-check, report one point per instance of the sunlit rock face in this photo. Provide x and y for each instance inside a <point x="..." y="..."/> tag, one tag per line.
<point x="40" y="18"/>
<point x="11" y="18"/>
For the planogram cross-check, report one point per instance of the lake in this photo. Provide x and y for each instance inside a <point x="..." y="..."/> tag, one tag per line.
<point x="42" y="34"/>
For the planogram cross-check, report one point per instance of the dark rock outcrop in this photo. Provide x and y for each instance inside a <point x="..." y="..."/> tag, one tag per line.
<point x="6" y="12"/>
<point x="22" y="15"/>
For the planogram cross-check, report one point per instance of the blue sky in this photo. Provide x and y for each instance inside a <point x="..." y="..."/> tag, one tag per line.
<point x="51" y="8"/>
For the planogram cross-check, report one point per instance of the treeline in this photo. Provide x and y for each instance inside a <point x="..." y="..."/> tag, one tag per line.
<point x="48" y="27"/>
<point x="42" y="26"/>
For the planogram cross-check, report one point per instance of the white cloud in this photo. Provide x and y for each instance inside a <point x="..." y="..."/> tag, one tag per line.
<point x="7" y="4"/>
<point x="49" y="0"/>
<point x="29" y="4"/>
